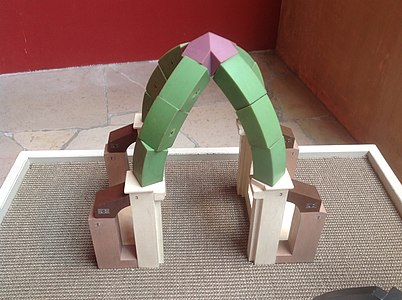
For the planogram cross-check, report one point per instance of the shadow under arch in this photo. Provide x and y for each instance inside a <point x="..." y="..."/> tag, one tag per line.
<point x="173" y="88"/>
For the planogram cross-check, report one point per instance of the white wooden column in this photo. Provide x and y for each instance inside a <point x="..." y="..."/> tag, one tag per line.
<point x="147" y="220"/>
<point x="244" y="163"/>
<point x="266" y="219"/>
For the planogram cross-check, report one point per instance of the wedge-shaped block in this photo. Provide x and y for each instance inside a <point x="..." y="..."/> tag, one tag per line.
<point x="170" y="60"/>
<point x="210" y="50"/>
<point x="257" y="72"/>
<point x="239" y="82"/>
<point x="260" y="123"/>
<point x="244" y="54"/>
<point x="155" y="82"/>
<point x="162" y="125"/>
<point x="148" y="164"/>
<point x="251" y="62"/>
<point x="185" y="84"/>
<point x="147" y="102"/>
<point x="269" y="164"/>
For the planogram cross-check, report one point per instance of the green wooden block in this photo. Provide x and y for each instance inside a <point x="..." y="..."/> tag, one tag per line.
<point x="147" y="102"/>
<point x="148" y="164"/>
<point x="162" y="125"/>
<point x="251" y="62"/>
<point x="269" y="165"/>
<point x="260" y="123"/>
<point x="244" y="54"/>
<point x="155" y="83"/>
<point x="170" y="60"/>
<point x="238" y="82"/>
<point x="185" y="84"/>
<point x="257" y="72"/>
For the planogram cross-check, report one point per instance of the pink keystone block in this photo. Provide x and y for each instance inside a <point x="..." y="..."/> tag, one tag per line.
<point x="210" y="50"/>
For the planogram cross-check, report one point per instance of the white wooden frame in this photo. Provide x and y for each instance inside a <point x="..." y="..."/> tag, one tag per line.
<point x="16" y="175"/>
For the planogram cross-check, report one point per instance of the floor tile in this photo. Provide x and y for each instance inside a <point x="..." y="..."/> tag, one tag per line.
<point x="270" y="64"/>
<point x="211" y="95"/>
<point x="295" y="100"/>
<point x="212" y="126"/>
<point x="183" y="141"/>
<point x="44" y="140"/>
<point x="325" y="131"/>
<point x="91" y="139"/>
<point x="123" y="95"/>
<point x="56" y="99"/>
<point x="9" y="152"/>
<point x="136" y="72"/>
<point x="124" y="119"/>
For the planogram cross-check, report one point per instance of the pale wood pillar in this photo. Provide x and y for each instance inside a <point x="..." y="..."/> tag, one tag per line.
<point x="266" y="219"/>
<point x="145" y="203"/>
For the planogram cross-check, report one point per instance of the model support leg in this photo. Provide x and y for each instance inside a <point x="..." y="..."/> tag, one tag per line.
<point x="116" y="166"/>
<point x="245" y="158"/>
<point x="292" y="150"/>
<point x="266" y="219"/>
<point x="104" y="223"/>
<point x="147" y="220"/>
<point x="244" y="163"/>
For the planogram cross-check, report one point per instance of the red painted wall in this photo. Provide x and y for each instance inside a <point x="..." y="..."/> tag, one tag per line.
<point x="46" y="34"/>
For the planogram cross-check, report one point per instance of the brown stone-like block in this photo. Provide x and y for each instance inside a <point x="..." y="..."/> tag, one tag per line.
<point x="109" y="250"/>
<point x="292" y="150"/>
<point x="305" y="197"/>
<point x="307" y="224"/>
<point x="116" y="166"/>
<point x="109" y="202"/>
<point x="120" y="139"/>
<point x="287" y="133"/>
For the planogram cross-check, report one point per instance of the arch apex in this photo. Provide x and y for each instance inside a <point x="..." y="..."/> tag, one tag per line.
<point x="210" y="50"/>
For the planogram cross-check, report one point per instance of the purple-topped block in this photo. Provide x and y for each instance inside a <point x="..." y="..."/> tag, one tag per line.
<point x="210" y="50"/>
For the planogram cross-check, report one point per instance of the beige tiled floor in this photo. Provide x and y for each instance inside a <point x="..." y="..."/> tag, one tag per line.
<point x="76" y="108"/>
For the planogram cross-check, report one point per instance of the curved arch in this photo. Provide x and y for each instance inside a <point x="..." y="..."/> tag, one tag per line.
<point x="174" y="86"/>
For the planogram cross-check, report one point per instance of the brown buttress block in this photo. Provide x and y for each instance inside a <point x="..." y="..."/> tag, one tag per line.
<point x="116" y="166"/>
<point x="307" y="224"/>
<point x="104" y="225"/>
<point x="120" y="139"/>
<point x="292" y="150"/>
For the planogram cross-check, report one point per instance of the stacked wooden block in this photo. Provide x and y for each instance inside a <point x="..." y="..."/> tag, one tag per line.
<point x="181" y="75"/>
<point x="172" y="90"/>
<point x="174" y="86"/>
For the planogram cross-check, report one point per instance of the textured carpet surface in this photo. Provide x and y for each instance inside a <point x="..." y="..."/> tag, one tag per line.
<point x="46" y="249"/>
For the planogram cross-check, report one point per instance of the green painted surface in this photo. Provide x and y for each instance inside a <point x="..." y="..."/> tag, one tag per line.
<point x="171" y="93"/>
<point x="156" y="83"/>
<point x="257" y="72"/>
<point x="251" y="62"/>
<point x="269" y="165"/>
<point x="185" y="84"/>
<point x="146" y="105"/>
<point x="148" y="164"/>
<point x="260" y="123"/>
<point x="162" y="125"/>
<point x="170" y="60"/>
<point x="244" y="54"/>
<point x="238" y="82"/>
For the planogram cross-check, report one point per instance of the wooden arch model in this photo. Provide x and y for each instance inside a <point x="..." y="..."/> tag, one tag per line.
<point x="174" y="86"/>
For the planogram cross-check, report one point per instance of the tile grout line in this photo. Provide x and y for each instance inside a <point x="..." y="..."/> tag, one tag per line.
<point x="129" y="79"/>
<point x="66" y="144"/>
<point x="11" y="135"/>
<point x="191" y="139"/>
